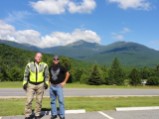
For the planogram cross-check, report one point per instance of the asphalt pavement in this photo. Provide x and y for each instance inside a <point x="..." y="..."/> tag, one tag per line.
<point x="77" y="92"/>
<point x="150" y="114"/>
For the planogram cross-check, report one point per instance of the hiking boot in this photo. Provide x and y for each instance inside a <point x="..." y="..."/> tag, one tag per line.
<point x="37" y="117"/>
<point x="53" y="117"/>
<point x="62" y="117"/>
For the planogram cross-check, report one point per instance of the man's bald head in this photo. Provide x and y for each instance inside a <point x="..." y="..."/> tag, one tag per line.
<point x="38" y="57"/>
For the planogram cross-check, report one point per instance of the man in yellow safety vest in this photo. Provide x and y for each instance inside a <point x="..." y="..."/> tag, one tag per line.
<point x="36" y="80"/>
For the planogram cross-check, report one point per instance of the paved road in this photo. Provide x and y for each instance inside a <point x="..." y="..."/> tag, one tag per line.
<point x="87" y="92"/>
<point x="151" y="114"/>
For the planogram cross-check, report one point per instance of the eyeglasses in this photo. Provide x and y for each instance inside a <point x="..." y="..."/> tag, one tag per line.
<point x="56" y="59"/>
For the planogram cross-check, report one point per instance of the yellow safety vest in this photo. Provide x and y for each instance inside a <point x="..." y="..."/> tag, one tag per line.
<point x="36" y="76"/>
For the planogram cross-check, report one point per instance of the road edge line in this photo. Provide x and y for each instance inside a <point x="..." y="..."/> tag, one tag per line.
<point x="105" y="115"/>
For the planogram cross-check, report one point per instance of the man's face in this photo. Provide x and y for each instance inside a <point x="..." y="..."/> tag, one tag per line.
<point x="38" y="57"/>
<point x="55" y="61"/>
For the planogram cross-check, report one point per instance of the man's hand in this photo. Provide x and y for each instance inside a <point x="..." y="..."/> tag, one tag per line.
<point x="62" y="84"/>
<point x="45" y="86"/>
<point x="25" y="86"/>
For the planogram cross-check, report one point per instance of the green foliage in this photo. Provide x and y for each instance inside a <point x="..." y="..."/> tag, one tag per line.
<point x="116" y="74"/>
<point x="135" y="77"/>
<point x="77" y="74"/>
<point x="154" y="80"/>
<point x="145" y="73"/>
<point x="157" y="70"/>
<point x="84" y="78"/>
<point x="66" y="62"/>
<point x="95" y="78"/>
<point x="154" y="77"/>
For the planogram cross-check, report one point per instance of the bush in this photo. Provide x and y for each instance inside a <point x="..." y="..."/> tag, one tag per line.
<point x="154" y="80"/>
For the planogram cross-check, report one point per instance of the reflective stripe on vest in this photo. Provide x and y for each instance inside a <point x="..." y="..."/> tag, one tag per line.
<point x="37" y="76"/>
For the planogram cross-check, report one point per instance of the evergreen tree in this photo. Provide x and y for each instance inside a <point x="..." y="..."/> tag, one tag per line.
<point x="145" y="73"/>
<point x="116" y="74"/>
<point x="157" y="70"/>
<point x="77" y="74"/>
<point x="153" y="80"/>
<point x="104" y="73"/>
<point x="66" y="62"/>
<point x="95" y="78"/>
<point x="135" y="77"/>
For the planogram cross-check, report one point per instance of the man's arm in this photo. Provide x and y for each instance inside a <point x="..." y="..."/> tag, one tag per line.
<point x="26" y="76"/>
<point x="66" y="79"/>
<point x="46" y="75"/>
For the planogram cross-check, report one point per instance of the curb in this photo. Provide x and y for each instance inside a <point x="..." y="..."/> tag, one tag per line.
<point x="137" y="108"/>
<point x="80" y="111"/>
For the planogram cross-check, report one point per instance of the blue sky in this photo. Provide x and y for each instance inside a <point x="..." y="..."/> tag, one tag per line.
<point x="47" y="23"/>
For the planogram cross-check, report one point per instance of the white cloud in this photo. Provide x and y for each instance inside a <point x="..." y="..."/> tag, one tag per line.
<point x="8" y="32"/>
<point x="32" y="37"/>
<point x="62" y="38"/>
<point x="50" y="6"/>
<point x="133" y="4"/>
<point x="86" y="7"/>
<point x="61" y="6"/>
<point x="121" y="34"/>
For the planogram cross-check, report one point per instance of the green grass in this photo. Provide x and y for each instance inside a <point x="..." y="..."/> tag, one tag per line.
<point x="11" y="84"/>
<point x="16" y="106"/>
<point x="17" y="84"/>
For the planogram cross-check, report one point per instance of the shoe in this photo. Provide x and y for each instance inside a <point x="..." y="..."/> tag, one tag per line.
<point x="53" y="117"/>
<point x="37" y="117"/>
<point x="62" y="117"/>
<point x="27" y="117"/>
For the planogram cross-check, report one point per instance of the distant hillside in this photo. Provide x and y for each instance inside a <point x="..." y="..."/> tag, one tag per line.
<point x="10" y="57"/>
<point x="129" y="53"/>
<point x="18" y="45"/>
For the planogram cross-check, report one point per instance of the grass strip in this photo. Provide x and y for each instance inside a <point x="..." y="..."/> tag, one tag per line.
<point x="16" y="84"/>
<point x="16" y="106"/>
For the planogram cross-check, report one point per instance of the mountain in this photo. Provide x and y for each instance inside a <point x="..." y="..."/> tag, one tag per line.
<point x="79" y="50"/>
<point x="19" y="45"/>
<point x="129" y="53"/>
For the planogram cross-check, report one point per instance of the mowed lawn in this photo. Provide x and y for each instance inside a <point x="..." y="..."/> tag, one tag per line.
<point x="16" y="106"/>
<point x="18" y="84"/>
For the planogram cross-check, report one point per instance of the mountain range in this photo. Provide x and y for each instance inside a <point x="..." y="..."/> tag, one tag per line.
<point x="128" y="53"/>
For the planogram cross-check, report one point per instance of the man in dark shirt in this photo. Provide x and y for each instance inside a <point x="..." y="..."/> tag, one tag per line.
<point x="58" y="78"/>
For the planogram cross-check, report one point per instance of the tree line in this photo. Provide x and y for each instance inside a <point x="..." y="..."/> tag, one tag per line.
<point x="13" y="62"/>
<point x="116" y="74"/>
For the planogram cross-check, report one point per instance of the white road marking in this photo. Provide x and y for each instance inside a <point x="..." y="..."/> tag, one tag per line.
<point x="0" y="117"/>
<point x="137" y="108"/>
<point x="75" y="111"/>
<point x="105" y="115"/>
<point x="66" y="111"/>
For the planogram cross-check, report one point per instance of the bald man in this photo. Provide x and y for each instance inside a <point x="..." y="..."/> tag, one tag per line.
<point x="36" y="80"/>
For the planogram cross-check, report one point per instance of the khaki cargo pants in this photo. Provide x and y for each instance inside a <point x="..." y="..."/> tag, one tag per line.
<point x="38" y="91"/>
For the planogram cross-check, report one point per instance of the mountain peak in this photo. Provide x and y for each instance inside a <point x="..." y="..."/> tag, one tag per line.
<point x="83" y="43"/>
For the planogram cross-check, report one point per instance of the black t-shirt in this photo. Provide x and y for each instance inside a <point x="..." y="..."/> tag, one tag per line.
<point x="57" y="74"/>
